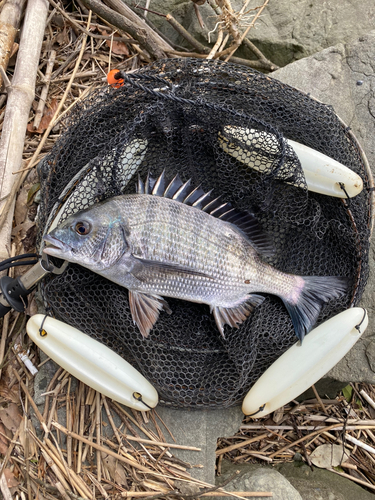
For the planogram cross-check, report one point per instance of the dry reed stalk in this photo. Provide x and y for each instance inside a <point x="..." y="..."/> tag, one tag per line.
<point x="81" y="428"/>
<point x="57" y="390"/>
<point x="240" y="445"/>
<point x="104" y="449"/>
<point x="319" y="399"/>
<point x="88" y="447"/>
<point x="98" y="413"/>
<point x="7" y="495"/>
<point x="75" y="428"/>
<point x="127" y="415"/>
<point x="96" y="482"/>
<point x="370" y="401"/>
<point x="74" y="479"/>
<point x="20" y="97"/>
<point x="61" y="490"/>
<point x="165" y="425"/>
<point x="355" y="479"/>
<point x="51" y="461"/>
<point x="162" y="444"/>
<point x="238" y="494"/>
<point x="44" y="92"/>
<point x="110" y="420"/>
<point x="340" y="427"/>
<point x="68" y="424"/>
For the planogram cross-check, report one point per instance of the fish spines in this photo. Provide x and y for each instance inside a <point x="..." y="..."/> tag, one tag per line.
<point x="184" y="193"/>
<point x="316" y="291"/>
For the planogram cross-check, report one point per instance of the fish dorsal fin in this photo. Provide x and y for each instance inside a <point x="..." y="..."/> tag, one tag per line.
<point x="177" y="190"/>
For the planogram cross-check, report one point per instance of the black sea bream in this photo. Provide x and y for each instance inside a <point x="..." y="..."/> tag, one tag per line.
<point x="170" y="240"/>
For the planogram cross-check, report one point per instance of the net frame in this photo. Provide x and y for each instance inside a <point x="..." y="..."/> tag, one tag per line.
<point x="201" y="369"/>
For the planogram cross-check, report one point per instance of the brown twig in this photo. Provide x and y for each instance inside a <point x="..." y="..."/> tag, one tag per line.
<point x="239" y="41"/>
<point x="122" y="23"/>
<point x="87" y="32"/>
<point x="188" y="37"/>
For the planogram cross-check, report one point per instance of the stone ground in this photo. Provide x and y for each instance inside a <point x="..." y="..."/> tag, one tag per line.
<point x="292" y="481"/>
<point x="288" y="30"/>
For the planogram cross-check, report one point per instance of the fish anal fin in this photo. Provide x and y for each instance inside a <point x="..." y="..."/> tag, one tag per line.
<point x="145" y="310"/>
<point x="234" y="316"/>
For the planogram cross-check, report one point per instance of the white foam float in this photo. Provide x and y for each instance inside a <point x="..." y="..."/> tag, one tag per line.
<point x="91" y="362"/>
<point x="301" y="366"/>
<point x="323" y="174"/>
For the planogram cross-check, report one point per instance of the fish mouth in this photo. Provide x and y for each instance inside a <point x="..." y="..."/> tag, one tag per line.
<point x="55" y="246"/>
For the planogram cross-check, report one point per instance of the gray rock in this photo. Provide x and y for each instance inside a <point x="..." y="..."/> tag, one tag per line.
<point x="320" y="484"/>
<point x="288" y="30"/>
<point x="292" y="29"/>
<point x="201" y="429"/>
<point x="258" y="478"/>
<point x="43" y="378"/>
<point x="344" y="77"/>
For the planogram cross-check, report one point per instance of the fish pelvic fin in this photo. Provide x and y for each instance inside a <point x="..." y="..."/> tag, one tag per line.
<point x="316" y="291"/>
<point x="145" y="310"/>
<point x="234" y="316"/>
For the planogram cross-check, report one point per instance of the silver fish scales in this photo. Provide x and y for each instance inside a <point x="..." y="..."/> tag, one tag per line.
<point x="170" y="240"/>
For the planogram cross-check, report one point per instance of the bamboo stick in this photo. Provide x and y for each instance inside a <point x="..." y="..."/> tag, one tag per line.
<point x="21" y="95"/>
<point x="10" y="17"/>
<point x="8" y="205"/>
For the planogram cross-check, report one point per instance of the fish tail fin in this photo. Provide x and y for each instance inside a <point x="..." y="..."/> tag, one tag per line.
<point x="316" y="291"/>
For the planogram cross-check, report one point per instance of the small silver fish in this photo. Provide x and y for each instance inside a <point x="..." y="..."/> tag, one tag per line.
<point x="170" y="240"/>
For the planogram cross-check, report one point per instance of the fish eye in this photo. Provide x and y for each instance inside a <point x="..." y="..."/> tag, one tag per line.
<point x="82" y="228"/>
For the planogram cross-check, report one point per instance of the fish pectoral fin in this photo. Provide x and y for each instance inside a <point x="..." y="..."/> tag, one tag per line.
<point x="145" y="267"/>
<point x="234" y="316"/>
<point x="145" y="310"/>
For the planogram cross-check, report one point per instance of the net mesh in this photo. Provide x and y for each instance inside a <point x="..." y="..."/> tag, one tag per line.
<point x="184" y="116"/>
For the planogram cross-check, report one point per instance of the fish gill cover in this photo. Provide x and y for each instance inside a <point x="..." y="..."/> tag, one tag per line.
<point x="178" y="116"/>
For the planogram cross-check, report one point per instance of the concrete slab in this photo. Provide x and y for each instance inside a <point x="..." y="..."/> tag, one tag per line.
<point x="201" y="428"/>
